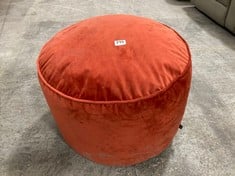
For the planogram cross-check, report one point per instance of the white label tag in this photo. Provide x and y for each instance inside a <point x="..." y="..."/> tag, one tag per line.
<point x="119" y="42"/>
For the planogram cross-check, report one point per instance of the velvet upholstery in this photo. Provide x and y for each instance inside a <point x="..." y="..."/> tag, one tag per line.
<point x="116" y="105"/>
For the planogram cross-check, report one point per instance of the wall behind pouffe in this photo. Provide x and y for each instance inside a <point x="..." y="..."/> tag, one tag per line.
<point x="117" y="86"/>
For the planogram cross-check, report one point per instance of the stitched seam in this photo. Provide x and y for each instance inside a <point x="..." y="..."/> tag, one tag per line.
<point x="226" y="15"/>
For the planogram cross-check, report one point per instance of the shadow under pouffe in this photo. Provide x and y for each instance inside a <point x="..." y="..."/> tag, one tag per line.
<point x="117" y="86"/>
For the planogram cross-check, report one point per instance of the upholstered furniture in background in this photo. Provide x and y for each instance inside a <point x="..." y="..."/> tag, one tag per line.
<point x="222" y="11"/>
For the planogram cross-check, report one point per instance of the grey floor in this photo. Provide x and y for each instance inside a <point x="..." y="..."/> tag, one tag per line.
<point x="29" y="141"/>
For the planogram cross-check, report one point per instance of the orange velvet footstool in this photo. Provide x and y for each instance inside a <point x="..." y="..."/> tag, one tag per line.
<point x="117" y="86"/>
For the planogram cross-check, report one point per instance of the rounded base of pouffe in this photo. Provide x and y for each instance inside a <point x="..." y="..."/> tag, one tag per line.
<point x="123" y="162"/>
<point x="129" y="160"/>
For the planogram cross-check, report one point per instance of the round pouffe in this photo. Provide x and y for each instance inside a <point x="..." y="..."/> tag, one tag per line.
<point x="117" y="86"/>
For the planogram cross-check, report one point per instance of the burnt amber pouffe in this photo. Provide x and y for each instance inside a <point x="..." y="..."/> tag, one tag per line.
<point x="117" y="86"/>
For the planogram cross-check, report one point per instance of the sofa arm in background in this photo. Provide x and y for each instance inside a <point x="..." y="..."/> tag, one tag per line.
<point x="221" y="11"/>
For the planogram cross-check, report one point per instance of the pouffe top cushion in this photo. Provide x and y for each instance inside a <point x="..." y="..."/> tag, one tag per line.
<point x="83" y="62"/>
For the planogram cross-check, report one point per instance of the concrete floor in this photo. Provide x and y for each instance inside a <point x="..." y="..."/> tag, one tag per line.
<point x="29" y="141"/>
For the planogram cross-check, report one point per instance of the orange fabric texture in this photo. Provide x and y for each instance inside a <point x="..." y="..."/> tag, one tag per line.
<point x="116" y="105"/>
